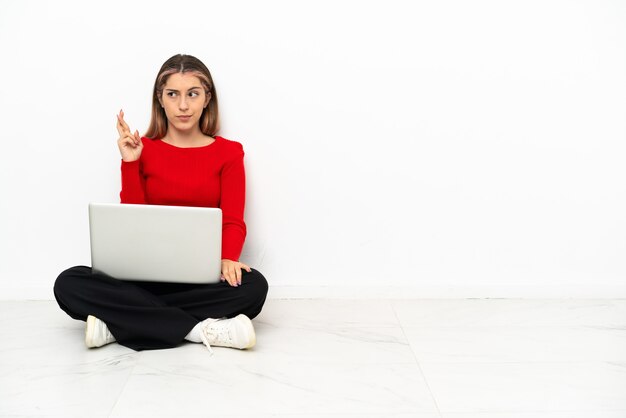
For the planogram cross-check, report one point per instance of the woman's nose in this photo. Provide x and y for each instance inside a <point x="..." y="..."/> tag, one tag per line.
<point x="182" y="103"/>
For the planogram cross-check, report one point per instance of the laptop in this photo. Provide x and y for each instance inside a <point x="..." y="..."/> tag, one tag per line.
<point x="175" y="244"/>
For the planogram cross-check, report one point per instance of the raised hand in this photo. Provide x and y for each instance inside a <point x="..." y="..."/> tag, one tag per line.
<point x="130" y="145"/>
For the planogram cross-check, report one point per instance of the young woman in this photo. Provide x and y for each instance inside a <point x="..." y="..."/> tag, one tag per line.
<point x="180" y="161"/>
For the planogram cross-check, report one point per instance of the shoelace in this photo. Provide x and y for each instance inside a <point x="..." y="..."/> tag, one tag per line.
<point x="219" y="334"/>
<point x="206" y="342"/>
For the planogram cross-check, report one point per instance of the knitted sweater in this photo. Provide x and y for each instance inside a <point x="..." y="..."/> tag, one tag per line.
<point x="208" y="176"/>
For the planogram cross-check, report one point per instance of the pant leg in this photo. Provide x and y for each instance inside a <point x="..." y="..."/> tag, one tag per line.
<point x="147" y="315"/>
<point x="221" y="299"/>
<point x="137" y="318"/>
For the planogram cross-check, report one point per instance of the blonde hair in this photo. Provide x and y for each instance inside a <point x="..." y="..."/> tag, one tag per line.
<point x="209" y="122"/>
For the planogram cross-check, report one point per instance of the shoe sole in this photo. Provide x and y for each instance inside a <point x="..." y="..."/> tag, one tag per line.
<point x="248" y="324"/>
<point x="89" y="331"/>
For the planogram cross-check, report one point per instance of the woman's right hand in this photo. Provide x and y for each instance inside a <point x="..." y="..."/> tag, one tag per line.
<point x="130" y="145"/>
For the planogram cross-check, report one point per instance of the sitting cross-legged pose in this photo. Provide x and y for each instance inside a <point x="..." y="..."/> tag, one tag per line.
<point x="180" y="161"/>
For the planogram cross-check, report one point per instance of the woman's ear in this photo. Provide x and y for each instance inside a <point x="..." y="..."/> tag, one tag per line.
<point x="208" y="99"/>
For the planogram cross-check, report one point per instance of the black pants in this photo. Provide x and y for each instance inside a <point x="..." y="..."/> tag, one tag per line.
<point x="150" y="315"/>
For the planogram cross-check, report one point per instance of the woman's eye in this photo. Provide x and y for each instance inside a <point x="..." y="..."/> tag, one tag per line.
<point x="193" y="93"/>
<point x="171" y="94"/>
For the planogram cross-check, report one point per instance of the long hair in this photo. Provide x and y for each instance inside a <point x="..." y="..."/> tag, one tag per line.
<point x="209" y="123"/>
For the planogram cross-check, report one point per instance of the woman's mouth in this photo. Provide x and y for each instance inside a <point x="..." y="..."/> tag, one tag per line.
<point x="184" y="118"/>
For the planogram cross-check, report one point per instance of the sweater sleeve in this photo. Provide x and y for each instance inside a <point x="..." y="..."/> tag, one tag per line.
<point x="232" y="203"/>
<point x="132" y="183"/>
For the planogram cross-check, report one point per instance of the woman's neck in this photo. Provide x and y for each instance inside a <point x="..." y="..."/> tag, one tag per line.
<point x="184" y="139"/>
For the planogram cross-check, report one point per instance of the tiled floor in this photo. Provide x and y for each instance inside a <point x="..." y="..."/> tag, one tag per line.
<point x="334" y="358"/>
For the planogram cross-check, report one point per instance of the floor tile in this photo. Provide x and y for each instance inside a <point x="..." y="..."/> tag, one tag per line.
<point x="511" y="312"/>
<point x="516" y="344"/>
<point x="64" y="390"/>
<point x="527" y="387"/>
<point x="538" y="414"/>
<point x="325" y="313"/>
<point x="371" y="345"/>
<point x="279" y="387"/>
<point x="46" y="370"/>
<point x="360" y="415"/>
<point x="335" y="358"/>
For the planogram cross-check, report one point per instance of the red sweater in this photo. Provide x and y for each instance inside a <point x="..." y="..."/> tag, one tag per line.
<point x="210" y="176"/>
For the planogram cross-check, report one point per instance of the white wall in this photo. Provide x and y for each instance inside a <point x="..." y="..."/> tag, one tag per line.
<point x="455" y="148"/>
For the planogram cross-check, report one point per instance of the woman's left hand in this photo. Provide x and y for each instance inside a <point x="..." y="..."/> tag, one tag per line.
<point x="231" y="271"/>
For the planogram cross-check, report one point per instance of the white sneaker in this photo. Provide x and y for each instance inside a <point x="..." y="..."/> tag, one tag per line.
<point x="97" y="333"/>
<point x="236" y="332"/>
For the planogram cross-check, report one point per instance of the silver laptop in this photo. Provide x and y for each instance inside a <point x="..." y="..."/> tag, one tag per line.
<point x="156" y="243"/>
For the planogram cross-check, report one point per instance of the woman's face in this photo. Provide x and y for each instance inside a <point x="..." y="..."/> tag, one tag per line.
<point x="183" y="100"/>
